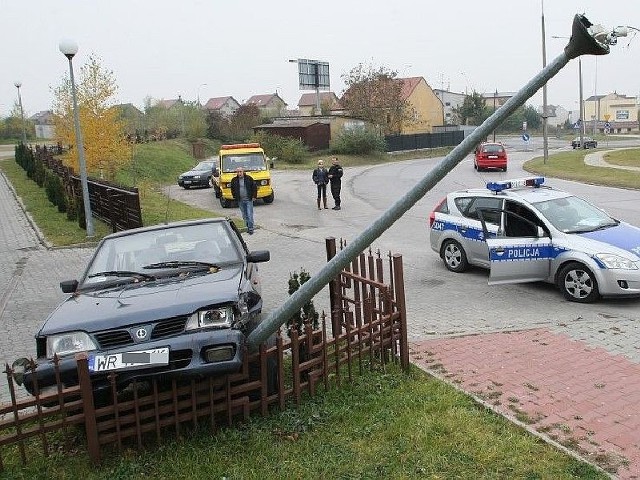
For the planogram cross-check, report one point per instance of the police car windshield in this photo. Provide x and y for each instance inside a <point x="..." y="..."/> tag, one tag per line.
<point x="574" y="215"/>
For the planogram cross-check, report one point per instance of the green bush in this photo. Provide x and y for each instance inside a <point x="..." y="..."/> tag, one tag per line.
<point x="308" y="313"/>
<point x="358" y="141"/>
<point x="289" y="150"/>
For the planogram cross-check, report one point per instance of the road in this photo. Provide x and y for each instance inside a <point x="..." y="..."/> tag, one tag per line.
<point x="439" y="302"/>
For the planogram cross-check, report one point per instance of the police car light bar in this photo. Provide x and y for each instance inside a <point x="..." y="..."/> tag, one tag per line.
<point x="518" y="182"/>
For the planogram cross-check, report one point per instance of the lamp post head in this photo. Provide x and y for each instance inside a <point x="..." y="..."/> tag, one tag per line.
<point x="68" y="48"/>
<point x="17" y="83"/>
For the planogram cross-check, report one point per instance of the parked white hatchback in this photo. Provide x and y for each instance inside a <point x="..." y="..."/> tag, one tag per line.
<point x="523" y="231"/>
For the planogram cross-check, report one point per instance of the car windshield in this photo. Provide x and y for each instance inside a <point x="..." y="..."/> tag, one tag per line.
<point x="204" y="166"/>
<point x="248" y="161"/>
<point x="209" y="243"/>
<point x="574" y="215"/>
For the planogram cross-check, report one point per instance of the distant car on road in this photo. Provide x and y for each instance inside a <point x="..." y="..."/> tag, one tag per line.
<point x="198" y="176"/>
<point x="588" y="142"/>
<point x="490" y="155"/>
<point x="175" y="299"/>
<point x="523" y="231"/>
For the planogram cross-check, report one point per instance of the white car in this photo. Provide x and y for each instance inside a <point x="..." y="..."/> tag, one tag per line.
<point x="523" y="231"/>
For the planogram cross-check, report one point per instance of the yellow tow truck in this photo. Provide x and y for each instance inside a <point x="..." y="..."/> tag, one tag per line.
<point x="249" y="156"/>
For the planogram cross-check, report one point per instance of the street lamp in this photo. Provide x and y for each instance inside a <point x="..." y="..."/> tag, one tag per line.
<point x="545" y="130"/>
<point x="495" y="94"/>
<point x="18" y="84"/>
<point x="69" y="48"/>
<point x="201" y="85"/>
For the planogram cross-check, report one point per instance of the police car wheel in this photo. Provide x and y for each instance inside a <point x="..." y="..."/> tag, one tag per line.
<point x="454" y="256"/>
<point x="578" y="284"/>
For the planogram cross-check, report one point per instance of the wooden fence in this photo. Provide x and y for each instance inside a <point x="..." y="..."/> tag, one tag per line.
<point x="368" y="319"/>
<point x="115" y="205"/>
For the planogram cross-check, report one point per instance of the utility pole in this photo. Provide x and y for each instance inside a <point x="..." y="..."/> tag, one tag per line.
<point x="545" y="131"/>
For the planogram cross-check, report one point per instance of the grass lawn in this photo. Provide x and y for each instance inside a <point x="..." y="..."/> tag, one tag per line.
<point x="570" y="166"/>
<point x="385" y="425"/>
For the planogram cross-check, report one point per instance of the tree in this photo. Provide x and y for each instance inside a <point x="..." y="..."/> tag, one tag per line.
<point x="473" y="110"/>
<point x="375" y="95"/>
<point x="103" y="133"/>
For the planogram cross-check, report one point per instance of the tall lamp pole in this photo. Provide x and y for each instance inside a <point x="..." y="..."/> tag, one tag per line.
<point x="18" y="84"/>
<point x="69" y="48"/>
<point x="495" y="94"/>
<point x="545" y="131"/>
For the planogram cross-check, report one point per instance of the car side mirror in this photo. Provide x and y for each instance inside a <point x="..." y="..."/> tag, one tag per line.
<point x="69" y="286"/>
<point x="258" y="256"/>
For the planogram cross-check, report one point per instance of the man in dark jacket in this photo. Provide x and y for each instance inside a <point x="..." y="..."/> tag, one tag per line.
<point x="244" y="190"/>
<point x="335" y="174"/>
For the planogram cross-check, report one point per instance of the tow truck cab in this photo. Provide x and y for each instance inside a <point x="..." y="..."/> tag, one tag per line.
<point x="249" y="156"/>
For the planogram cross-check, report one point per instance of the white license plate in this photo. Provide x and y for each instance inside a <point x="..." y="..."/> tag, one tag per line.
<point x="492" y="156"/>
<point x="127" y="360"/>
<point x="187" y="181"/>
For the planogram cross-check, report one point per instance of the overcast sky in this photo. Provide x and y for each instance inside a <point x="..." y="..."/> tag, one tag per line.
<point x="213" y="48"/>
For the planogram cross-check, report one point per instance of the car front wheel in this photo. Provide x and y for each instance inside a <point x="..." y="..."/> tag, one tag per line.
<point x="268" y="198"/>
<point x="454" y="256"/>
<point x="578" y="284"/>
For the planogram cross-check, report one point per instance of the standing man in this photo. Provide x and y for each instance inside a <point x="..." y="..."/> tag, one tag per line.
<point x="320" y="177"/>
<point x="244" y="191"/>
<point x="335" y="174"/>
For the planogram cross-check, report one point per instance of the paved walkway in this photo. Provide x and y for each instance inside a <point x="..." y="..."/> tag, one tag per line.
<point x="583" y="398"/>
<point x="567" y="384"/>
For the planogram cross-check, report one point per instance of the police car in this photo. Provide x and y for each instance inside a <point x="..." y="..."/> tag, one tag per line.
<point x="524" y="231"/>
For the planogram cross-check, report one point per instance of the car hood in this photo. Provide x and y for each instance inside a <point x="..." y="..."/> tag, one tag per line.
<point x="623" y="236"/>
<point x="144" y="302"/>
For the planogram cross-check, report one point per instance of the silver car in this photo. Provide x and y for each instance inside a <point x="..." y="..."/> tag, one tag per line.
<point x="523" y="231"/>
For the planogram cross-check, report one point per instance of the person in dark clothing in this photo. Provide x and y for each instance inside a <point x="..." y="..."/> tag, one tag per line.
<point x="335" y="174"/>
<point x="320" y="177"/>
<point x="244" y="190"/>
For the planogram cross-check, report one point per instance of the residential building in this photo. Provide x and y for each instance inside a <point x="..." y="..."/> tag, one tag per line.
<point x="308" y="102"/>
<point x="620" y="111"/>
<point x="270" y="105"/>
<point x="450" y="101"/>
<point x="43" y="122"/>
<point x="427" y="108"/>
<point x="225" y="106"/>
<point x="169" y="103"/>
<point x="557" y="115"/>
<point x="495" y="100"/>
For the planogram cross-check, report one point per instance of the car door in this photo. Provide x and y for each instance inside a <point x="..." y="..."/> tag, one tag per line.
<point x="475" y="231"/>
<point x="514" y="258"/>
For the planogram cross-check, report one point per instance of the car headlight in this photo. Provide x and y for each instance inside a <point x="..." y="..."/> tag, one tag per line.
<point x="67" y="343"/>
<point x="616" y="261"/>
<point x="264" y="182"/>
<point x="180" y="177"/>
<point x="211" y="318"/>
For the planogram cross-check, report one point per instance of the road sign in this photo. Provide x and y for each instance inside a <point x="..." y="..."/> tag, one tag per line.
<point x="525" y="136"/>
<point x="524" y="126"/>
<point x="607" y="130"/>
<point x="576" y="125"/>
<point x="607" y="125"/>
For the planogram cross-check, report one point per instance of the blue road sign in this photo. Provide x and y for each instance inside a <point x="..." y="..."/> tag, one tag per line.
<point x="607" y="125"/>
<point x="525" y="136"/>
